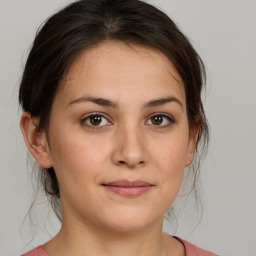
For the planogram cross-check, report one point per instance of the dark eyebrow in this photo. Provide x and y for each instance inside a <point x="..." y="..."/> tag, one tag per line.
<point x="162" y="101"/>
<point x="108" y="103"/>
<point x="99" y="101"/>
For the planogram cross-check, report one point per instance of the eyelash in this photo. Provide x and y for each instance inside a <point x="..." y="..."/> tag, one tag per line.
<point x="163" y="115"/>
<point x="169" y="119"/>
<point x="83" y="121"/>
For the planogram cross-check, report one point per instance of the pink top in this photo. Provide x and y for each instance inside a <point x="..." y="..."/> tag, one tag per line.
<point x="191" y="250"/>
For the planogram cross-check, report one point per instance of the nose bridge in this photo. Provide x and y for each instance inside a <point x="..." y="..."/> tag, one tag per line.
<point x="130" y="146"/>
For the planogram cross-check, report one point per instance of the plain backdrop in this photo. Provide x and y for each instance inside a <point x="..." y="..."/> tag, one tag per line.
<point x="224" y="34"/>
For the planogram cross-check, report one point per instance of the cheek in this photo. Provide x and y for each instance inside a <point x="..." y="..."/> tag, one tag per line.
<point x="76" y="159"/>
<point x="73" y="145"/>
<point x="77" y="163"/>
<point x="170" y="159"/>
<point x="171" y="153"/>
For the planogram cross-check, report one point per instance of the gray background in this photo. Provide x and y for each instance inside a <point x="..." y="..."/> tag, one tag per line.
<point x="224" y="34"/>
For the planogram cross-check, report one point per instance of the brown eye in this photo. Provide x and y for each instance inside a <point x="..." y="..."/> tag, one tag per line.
<point x="161" y="120"/>
<point x="157" y="120"/>
<point x="95" y="121"/>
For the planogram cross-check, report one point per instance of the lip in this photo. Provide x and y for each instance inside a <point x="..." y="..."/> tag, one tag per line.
<point x="128" y="188"/>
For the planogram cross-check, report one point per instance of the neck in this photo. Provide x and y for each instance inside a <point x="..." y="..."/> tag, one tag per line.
<point x="77" y="239"/>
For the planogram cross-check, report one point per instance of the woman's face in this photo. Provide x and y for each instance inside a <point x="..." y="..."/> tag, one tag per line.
<point x="119" y="137"/>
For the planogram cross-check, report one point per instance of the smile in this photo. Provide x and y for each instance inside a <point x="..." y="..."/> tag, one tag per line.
<point x="128" y="188"/>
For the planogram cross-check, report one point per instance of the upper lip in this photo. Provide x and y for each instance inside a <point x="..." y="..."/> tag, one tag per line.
<point x="128" y="183"/>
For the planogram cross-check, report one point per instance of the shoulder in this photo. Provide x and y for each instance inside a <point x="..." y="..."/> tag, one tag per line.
<point x="38" y="251"/>
<point x="193" y="250"/>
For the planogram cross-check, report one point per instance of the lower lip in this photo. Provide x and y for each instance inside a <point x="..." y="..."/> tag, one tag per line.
<point x="129" y="191"/>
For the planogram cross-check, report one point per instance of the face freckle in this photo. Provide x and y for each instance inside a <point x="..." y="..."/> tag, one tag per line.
<point x="126" y="85"/>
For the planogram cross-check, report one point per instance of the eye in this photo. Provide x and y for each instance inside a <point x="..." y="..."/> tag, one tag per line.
<point x="161" y="120"/>
<point x="95" y="121"/>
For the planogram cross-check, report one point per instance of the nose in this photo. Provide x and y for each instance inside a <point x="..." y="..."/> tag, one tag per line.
<point x="130" y="148"/>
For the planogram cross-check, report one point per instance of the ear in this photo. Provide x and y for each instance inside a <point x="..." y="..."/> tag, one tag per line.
<point x="192" y="142"/>
<point x="36" y="141"/>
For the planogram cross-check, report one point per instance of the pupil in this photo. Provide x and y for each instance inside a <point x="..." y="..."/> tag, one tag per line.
<point x="157" y="120"/>
<point x="95" y="120"/>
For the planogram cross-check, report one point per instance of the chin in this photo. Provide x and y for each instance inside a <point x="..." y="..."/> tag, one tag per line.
<point x="130" y="220"/>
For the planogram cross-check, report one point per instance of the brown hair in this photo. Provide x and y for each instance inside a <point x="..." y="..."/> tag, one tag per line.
<point x="86" y="23"/>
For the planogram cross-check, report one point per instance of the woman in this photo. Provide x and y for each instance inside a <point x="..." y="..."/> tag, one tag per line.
<point x="112" y="115"/>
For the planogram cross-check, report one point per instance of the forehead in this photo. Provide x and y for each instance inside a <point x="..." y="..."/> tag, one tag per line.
<point x="128" y="52"/>
<point x="119" y="66"/>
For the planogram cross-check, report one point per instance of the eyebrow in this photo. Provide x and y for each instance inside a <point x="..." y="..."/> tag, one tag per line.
<point x="108" y="103"/>
<point x="98" y="101"/>
<point x="162" y="101"/>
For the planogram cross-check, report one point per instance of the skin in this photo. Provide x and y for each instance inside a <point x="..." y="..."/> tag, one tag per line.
<point x="127" y="144"/>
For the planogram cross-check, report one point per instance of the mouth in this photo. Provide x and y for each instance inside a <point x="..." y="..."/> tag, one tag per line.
<point x="128" y="188"/>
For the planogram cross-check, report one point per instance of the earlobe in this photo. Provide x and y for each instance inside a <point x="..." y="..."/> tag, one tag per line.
<point x="189" y="159"/>
<point x="35" y="140"/>
<point x="192" y="143"/>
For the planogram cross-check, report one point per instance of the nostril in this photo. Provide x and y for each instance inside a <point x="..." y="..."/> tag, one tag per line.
<point x="141" y="163"/>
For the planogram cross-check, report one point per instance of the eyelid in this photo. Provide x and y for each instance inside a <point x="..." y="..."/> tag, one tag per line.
<point x="85" y="117"/>
<point x="164" y="115"/>
<point x="170" y="118"/>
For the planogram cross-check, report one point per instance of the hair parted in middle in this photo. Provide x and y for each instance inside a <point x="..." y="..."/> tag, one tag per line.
<point x="86" y="23"/>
